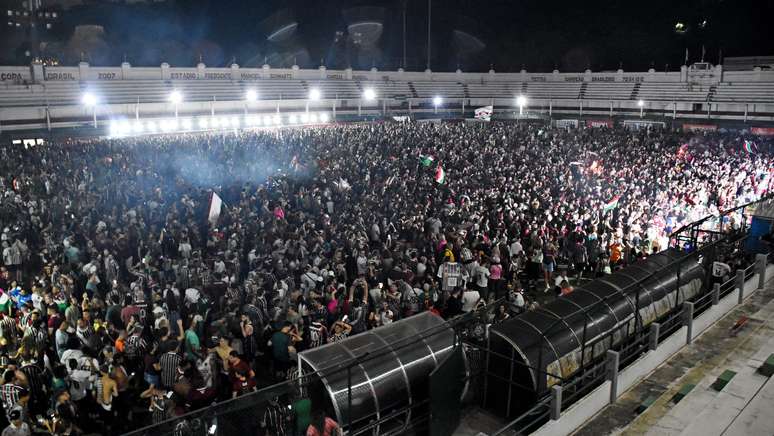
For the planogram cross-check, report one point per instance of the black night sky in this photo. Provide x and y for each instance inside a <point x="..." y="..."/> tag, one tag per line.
<point x="538" y="35"/>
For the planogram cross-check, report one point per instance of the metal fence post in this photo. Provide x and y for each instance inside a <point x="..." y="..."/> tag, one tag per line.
<point x="716" y="294"/>
<point x="760" y="260"/>
<point x="612" y="373"/>
<point x="740" y="284"/>
<point x="655" y="330"/>
<point x="688" y="320"/>
<point x="556" y="402"/>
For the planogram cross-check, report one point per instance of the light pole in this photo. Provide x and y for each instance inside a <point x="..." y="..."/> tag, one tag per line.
<point x="314" y="95"/>
<point x="437" y="101"/>
<point x="176" y="98"/>
<point x="429" y="16"/>
<point x="521" y="101"/>
<point x="90" y="101"/>
<point x="641" y="104"/>
<point x="250" y="97"/>
<point x="368" y="95"/>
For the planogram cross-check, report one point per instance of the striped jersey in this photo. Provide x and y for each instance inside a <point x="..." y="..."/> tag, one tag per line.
<point x="169" y="363"/>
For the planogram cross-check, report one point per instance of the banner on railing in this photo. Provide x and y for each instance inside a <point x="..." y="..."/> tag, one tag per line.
<point x="599" y="123"/>
<point x="565" y="124"/>
<point x="484" y="113"/>
<point x="700" y="127"/>
<point x="762" y="131"/>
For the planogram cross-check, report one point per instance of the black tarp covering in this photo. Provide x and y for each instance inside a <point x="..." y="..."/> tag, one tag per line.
<point x="399" y="358"/>
<point x="548" y="340"/>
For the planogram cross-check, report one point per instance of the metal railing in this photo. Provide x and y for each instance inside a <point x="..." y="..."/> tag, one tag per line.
<point x="592" y="374"/>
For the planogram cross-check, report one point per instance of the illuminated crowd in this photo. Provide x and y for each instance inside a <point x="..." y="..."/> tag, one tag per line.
<point x="127" y="300"/>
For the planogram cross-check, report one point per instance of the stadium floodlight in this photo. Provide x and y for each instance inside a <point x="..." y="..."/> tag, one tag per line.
<point x="187" y="125"/>
<point x="292" y="119"/>
<point x="521" y="101"/>
<point x="324" y="117"/>
<point x="304" y="117"/>
<point x="215" y="123"/>
<point x="174" y="125"/>
<point x="369" y="94"/>
<point x="277" y="120"/>
<point x="90" y="101"/>
<point x="151" y="126"/>
<point x="251" y="95"/>
<point x="235" y="122"/>
<point x="203" y="124"/>
<point x="313" y="118"/>
<point x="437" y="101"/>
<point x="266" y="120"/>
<point x="176" y="97"/>
<point x="315" y="94"/>
<point x="137" y="127"/>
<point x="224" y="123"/>
<point x="641" y="104"/>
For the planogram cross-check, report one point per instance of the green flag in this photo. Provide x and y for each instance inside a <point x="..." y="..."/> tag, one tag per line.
<point x="426" y="160"/>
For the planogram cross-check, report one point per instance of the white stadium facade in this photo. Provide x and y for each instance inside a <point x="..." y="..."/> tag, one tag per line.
<point x="133" y="100"/>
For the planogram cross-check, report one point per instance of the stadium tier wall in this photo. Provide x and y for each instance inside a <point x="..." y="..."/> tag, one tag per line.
<point x="39" y="96"/>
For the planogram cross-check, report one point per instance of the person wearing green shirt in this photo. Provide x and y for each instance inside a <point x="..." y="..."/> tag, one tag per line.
<point x="302" y="408"/>
<point x="192" y="344"/>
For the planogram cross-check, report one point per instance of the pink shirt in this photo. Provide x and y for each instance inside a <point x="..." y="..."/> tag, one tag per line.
<point x="495" y="272"/>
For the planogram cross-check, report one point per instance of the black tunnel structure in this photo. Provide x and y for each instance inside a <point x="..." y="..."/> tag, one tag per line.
<point x="546" y="343"/>
<point x="389" y="368"/>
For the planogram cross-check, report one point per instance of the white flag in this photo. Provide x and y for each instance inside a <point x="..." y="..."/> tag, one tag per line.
<point x="484" y="113"/>
<point x="214" y="211"/>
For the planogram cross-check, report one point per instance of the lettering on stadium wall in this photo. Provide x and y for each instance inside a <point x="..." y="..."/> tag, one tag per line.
<point x="11" y="77"/>
<point x="250" y="76"/>
<point x="334" y="76"/>
<point x="634" y="79"/>
<point x="183" y="76"/>
<point x="106" y="76"/>
<point x="603" y="79"/>
<point x="281" y="76"/>
<point x="60" y="76"/>
<point x="537" y="79"/>
<point x="217" y="76"/>
<point x="574" y="79"/>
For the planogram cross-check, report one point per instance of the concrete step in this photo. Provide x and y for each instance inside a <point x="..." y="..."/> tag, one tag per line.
<point x="727" y="404"/>
<point x="755" y="419"/>
<point x="698" y="409"/>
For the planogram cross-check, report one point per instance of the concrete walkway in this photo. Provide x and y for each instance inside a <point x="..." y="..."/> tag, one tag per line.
<point x="745" y="406"/>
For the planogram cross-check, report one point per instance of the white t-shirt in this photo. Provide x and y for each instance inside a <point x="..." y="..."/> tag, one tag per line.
<point x="482" y="276"/>
<point x="80" y="383"/>
<point x="516" y="248"/>
<point x="469" y="300"/>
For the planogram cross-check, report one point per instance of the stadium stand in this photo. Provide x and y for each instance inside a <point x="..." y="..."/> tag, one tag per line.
<point x="388" y="89"/>
<point x="609" y="91"/>
<point x="667" y="91"/>
<point x="552" y="90"/>
<point x="446" y="89"/>
<point x="745" y="92"/>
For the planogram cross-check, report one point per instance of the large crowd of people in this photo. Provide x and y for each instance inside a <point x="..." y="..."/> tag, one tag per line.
<point x="120" y="286"/>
